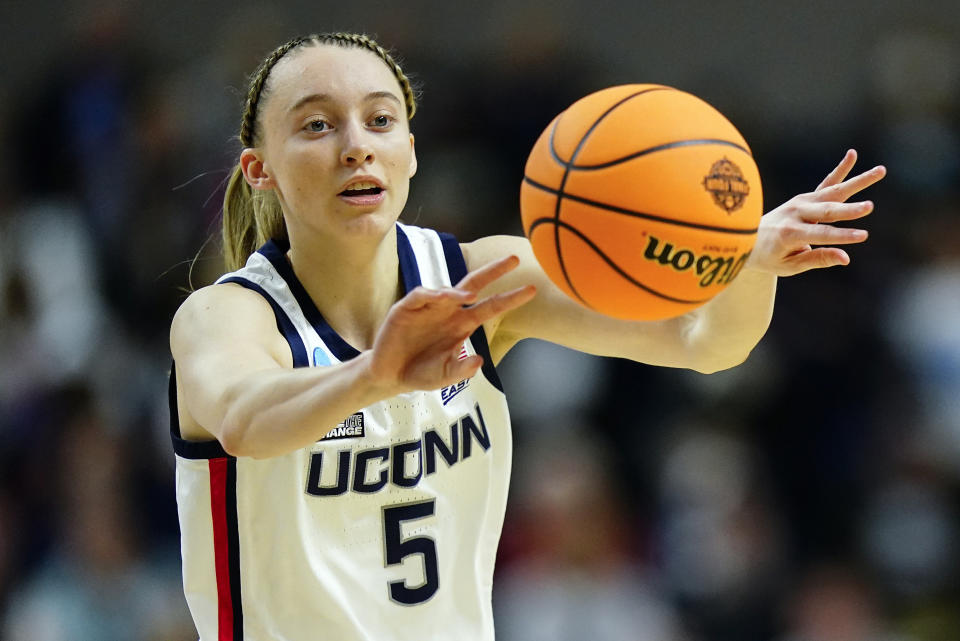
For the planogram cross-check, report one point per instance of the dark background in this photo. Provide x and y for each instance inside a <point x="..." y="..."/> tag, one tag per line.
<point x="809" y="494"/>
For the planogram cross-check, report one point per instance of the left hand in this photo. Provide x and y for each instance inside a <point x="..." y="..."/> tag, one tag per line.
<point x="787" y="235"/>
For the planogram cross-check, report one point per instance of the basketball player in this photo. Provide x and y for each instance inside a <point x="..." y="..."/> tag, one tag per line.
<point x="342" y="440"/>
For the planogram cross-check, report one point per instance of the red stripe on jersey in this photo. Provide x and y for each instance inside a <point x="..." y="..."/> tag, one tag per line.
<point x="221" y="551"/>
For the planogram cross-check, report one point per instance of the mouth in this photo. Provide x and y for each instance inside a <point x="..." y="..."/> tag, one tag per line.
<point x="363" y="193"/>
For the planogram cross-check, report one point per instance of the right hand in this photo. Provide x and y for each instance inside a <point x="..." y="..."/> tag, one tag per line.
<point x="790" y="237"/>
<point x="418" y="346"/>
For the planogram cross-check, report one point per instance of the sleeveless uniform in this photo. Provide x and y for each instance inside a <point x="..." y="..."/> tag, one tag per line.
<point x="385" y="529"/>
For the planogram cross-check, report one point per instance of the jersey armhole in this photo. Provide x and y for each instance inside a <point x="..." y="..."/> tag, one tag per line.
<point x="182" y="447"/>
<point x="457" y="269"/>
<point x="213" y="449"/>
<point x="284" y="324"/>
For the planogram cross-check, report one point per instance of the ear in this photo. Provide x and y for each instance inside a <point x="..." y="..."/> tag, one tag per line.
<point x="255" y="170"/>
<point x="413" y="158"/>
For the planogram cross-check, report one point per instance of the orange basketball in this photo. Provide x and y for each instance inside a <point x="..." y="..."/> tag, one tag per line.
<point x="641" y="201"/>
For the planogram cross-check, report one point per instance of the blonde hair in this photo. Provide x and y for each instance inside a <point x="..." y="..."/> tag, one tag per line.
<point x="251" y="218"/>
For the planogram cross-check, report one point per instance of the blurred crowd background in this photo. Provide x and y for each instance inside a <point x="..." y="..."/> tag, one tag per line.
<point x="810" y="494"/>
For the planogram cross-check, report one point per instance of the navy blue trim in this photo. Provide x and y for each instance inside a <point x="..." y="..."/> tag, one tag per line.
<point x="408" y="262"/>
<point x="284" y="324"/>
<point x="233" y="548"/>
<point x="457" y="269"/>
<point x="277" y="255"/>
<point x="182" y="447"/>
<point x="275" y="252"/>
<point x="456" y="266"/>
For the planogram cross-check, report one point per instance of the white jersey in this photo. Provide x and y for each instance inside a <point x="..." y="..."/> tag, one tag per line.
<point x="385" y="529"/>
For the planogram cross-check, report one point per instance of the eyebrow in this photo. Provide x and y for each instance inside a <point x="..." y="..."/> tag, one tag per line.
<point x="323" y="97"/>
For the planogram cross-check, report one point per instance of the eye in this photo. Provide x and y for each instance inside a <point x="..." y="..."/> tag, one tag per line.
<point x="381" y="121"/>
<point x="317" y="125"/>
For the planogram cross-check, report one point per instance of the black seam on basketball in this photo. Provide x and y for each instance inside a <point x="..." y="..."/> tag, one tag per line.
<point x="664" y="147"/>
<point x="556" y="214"/>
<point x="568" y="163"/>
<point x="613" y="265"/>
<point x="636" y="214"/>
<point x="566" y="173"/>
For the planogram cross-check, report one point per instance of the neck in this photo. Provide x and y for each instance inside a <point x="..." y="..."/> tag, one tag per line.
<point x="352" y="284"/>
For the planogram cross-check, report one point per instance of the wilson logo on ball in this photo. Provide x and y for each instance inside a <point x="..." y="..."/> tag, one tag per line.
<point x="711" y="269"/>
<point x="727" y="185"/>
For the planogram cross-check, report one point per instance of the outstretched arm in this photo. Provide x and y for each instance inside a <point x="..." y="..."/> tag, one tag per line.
<point x="717" y="335"/>
<point x="790" y="241"/>
<point x="236" y="383"/>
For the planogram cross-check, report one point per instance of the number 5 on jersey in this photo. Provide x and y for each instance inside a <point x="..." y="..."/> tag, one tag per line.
<point x="396" y="548"/>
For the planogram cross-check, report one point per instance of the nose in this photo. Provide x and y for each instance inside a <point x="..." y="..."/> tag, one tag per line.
<point x="357" y="149"/>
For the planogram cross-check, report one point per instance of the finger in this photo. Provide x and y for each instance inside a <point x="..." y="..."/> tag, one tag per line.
<point x="457" y="370"/>
<point x="480" y="278"/>
<point x="842" y="191"/>
<point x="501" y="303"/>
<point x="421" y="297"/>
<point x="440" y="367"/>
<point x="832" y="212"/>
<point x="830" y="235"/>
<point x="840" y="171"/>
<point x="819" y="258"/>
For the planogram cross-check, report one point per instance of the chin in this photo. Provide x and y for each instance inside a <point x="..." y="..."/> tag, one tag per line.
<point x="370" y="224"/>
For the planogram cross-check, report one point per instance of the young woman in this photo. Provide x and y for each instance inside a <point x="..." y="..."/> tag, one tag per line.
<point x="343" y="444"/>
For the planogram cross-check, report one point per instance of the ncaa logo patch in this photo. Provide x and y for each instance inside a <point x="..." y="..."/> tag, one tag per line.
<point x="727" y="185"/>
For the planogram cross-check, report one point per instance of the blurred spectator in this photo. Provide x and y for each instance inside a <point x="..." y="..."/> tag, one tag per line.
<point x="910" y="536"/>
<point x="99" y="133"/>
<point x="572" y="569"/>
<point x="96" y="582"/>
<point x="916" y="81"/>
<point x="718" y="540"/>
<point x="835" y="604"/>
<point x="72" y="132"/>
<point x="921" y="322"/>
<point x="549" y="384"/>
<point x="55" y="315"/>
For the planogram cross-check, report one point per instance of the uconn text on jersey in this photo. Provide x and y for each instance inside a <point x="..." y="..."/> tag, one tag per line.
<point x="402" y="464"/>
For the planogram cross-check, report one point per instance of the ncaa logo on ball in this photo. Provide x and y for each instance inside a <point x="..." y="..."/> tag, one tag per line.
<point x="727" y="185"/>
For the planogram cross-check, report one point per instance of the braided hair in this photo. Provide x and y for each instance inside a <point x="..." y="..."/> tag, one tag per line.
<point x="250" y="218"/>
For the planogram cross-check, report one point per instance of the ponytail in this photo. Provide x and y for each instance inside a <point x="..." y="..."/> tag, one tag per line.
<point x="250" y="218"/>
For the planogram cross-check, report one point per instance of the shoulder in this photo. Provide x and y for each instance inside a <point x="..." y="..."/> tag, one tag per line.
<point x="218" y="311"/>
<point x="476" y="253"/>
<point x="485" y="250"/>
<point x="219" y="299"/>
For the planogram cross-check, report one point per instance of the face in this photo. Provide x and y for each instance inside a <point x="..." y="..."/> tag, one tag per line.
<point x="336" y="147"/>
